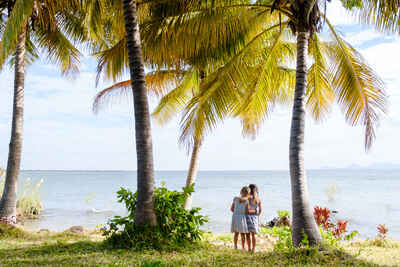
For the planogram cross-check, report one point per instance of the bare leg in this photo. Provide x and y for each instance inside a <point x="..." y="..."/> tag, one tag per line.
<point x="243" y="237"/>
<point x="253" y="239"/>
<point x="248" y="241"/>
<point x="235" y="239"/>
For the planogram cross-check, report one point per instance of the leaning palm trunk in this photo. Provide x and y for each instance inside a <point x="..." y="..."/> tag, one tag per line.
<point x="8" y="202"/>
<point x="192" y="174"/>
<point x="144" y="213"/>
<point x="303" y="220"/>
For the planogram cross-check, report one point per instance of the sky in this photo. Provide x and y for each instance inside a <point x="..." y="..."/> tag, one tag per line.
<point x="62" y="133"/>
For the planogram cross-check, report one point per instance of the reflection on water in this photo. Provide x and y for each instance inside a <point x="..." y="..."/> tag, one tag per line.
<point x="88" y="198"/>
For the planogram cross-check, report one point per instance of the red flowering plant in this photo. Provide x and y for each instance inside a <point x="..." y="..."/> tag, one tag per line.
<point x="321" y="216"/>
<point x="323" y="219"/>
<point x="382" y="230"/>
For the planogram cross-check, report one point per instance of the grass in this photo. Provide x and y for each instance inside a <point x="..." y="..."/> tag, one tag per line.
<point x="29" y="204"/>
<point x="20" y="248"/>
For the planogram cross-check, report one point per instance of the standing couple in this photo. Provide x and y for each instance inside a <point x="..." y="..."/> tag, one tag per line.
<point x="245" y="218"/>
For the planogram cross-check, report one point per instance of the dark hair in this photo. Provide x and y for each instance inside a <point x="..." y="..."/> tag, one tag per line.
<point x="254" y="192"/>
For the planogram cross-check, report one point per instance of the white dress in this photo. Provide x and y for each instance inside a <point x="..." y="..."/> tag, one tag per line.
<point x="239" y="223"/>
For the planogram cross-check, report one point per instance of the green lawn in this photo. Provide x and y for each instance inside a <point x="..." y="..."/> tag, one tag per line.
<point x="50" y="249"/>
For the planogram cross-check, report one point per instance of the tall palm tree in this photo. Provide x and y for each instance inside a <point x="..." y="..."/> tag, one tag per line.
<point x="159" y="50"/>
<point x="32" y="25"/>
<point x="144" y="213"/>
<point x="176" y="88"/>
<point x="337" y="71"/>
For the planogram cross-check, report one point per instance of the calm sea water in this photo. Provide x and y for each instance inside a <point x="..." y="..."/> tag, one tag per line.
<point x="364" y="197"/>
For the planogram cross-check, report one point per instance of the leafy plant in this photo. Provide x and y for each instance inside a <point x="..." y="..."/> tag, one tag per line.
<point x="284" y="235"/>
<point x="176" y="226"/>
<point x="382" y="231"/>
<point x="323" y="219"/>
<point x="321" y="216"/>
<point x="29" y="204"/>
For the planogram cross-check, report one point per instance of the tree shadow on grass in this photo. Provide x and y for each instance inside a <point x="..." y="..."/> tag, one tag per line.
<point x="92" y="253"/>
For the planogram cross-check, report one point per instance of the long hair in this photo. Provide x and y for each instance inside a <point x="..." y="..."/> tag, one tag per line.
<point x="254" y="193"/>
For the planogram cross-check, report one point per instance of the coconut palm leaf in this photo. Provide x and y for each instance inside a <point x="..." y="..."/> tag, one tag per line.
<point x="158" y="83"/>
<point x="320" y="94"/>
<point x="359" y="90"/>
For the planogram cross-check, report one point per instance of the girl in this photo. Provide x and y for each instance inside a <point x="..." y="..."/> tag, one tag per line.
<point x="239" y="225"/>
<point x="252" y="216"/>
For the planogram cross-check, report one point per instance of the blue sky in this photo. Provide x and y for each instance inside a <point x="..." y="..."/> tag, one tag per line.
<point x="61" y="131"/>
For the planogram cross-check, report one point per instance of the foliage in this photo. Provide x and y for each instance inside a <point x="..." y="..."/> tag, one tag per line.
<point x="283" y="213"/>
<point x="382" y="231"/>
<point x="337" y="229"/>
<point x="176" y="226"/>
<point x="284" y="235"/>
<point x="321" y="216"/>
<point x="29" y="204"/>
<point x="66" y="249"/>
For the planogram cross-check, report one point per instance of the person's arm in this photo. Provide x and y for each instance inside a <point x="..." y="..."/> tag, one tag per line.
<point x="259" y="207"/>
<point x="248" y="208"/>
<point x="233" y="205"/>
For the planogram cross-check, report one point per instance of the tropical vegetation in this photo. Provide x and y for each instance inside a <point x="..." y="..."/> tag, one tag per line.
<point x="20" y="248"/>
<point x="29" y="29"/>
<point x="265" y="52"/>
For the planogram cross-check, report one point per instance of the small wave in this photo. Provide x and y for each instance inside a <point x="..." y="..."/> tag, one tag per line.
<point x="94" y="210"/>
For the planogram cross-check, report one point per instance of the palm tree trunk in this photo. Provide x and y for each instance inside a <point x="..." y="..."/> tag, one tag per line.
<point x="192" y="174"/>
<point x="303" y="219"/>
<point x="8" y="202"/>
<point x="144" y="213"/>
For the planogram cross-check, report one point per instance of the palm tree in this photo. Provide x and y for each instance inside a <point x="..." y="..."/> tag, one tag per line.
<point x="113" y="59"/>
<point x="32" y="25"/>
<point x="337" y="71"/>
<point x="176" y="88"/>
<point x="144" y="213"/>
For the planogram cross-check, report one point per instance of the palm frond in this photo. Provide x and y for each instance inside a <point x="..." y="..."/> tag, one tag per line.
<point x="320" y="94"/>
<point x="176" y="100"/>
<point x="383" y="14"/>
<point x="60" y="51"/>
<point x="17" y="21"/>
<point x="359" y="90"/>
<point x="158" y="83"/>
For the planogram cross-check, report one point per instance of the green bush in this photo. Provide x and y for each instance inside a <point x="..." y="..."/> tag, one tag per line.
<point x="176" y="227"/>
<point x="29" y="204"/>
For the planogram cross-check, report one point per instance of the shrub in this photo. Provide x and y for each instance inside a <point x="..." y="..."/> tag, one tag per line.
<point x="176" y="226"/>
<point x="29" y="204"/>
<point x="382" y="231"/>
<point x="323" y="219"/>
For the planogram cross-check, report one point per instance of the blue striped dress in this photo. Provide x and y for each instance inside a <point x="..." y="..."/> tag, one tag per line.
<point x="252" y="220"/>
<point x="239" y="223"/>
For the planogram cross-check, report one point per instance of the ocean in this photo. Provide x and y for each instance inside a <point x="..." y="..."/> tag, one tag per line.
<point x="364" y="197"/>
